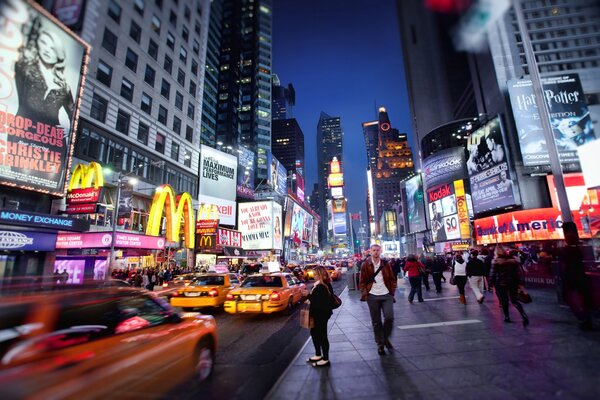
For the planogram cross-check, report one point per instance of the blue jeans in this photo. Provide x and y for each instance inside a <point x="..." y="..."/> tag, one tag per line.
<point x="415" y="287"/>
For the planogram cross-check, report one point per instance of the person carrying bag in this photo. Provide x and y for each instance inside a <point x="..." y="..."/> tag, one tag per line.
<point x="322" y="302"/>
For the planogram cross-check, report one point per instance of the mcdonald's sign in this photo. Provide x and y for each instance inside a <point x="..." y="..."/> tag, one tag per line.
<point x="207" y="243"/>
<point x="85" y="187"/>
<point x="178" y="211"/>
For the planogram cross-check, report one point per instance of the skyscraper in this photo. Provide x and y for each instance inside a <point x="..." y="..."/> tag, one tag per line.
<point x="288" y="147"/>
<point x="329" y="145"/>
<point x="389" y="162"/>
<point x="244" y="102"/>
<point x="283" y="99"/>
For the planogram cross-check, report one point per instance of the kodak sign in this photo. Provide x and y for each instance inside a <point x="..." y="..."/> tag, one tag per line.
<point x="85" y="188"/>
<point x="178" y="211"/>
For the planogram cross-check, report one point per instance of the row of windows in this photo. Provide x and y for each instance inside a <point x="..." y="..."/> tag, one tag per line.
<point x="99" y="110"/>
<point x="122" y="157"/>
<point x="114" y="11"/>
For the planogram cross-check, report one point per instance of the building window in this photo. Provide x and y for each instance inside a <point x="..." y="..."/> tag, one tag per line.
<point x="114" y="11"/>
<point x="149" y="75"/>
<point x="173" y="18"/>
<point x="191" y="111"/>
<point x="143" y="133"/>
<point x="104" y="73"/>
<point x="176" y="125"/>
<point x="155" y="24"/>
<point x="189" y="134"/>
<point x="179" y="101"/>
<point x="170" y="40"/>
<point x="135" y="31"/>
<point x="109" y="41"/>
<point x="174" y="151"/>
<point x="181" y="77"/>
<point x="159" y="3"/>
<point x="197" y="28"/>
<point x="127" y="89"/>
<point x="160" y="143"/>
<point x="185" y="33"/>
<point x="153" y="49"/>
<point x="165" y="89"/>
<point x="193" y="88"/>
<point x="168" y="65"/>
<point x="162" y="115"/>
<point x="183" y="55"/>
<point x="146" y="103"/>
<point x="99" y="107"/>
<point x="187" y="158"/>
<point x="138" y="5"/>
<point x="123" y="122"/>
<point x="131" y="60"/>
<point x="187" y="13"/>
<point x="194" y="67"/>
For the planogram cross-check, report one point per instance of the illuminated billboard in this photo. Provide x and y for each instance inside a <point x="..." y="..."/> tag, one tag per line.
<point x="277" y="174"/>
<point x="261" y="225"/>
<point x="448" y="220"/>
<point x="339" y="224"/>
<point x="41" y="80"/>
<point x="245" y="173"/>
<point x="415" y="203"/>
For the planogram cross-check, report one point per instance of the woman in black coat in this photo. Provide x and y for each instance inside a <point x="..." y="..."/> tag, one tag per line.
<point x="320" y="311"/>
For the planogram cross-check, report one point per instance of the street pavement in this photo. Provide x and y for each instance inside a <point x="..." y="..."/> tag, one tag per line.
<point x="445" y="350"/>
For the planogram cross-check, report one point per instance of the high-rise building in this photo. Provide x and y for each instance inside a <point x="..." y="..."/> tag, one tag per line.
<point x="288" y="147"/>
<point x="393" y="162"/>
<point x="283" y="99"/>
<point x="244" y="101"/>
<point x="329" y="145"/>
<point x="314" y="198"/>
<point x="143" y="93"/>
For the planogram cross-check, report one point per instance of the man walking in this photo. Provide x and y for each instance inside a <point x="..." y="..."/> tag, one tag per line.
<point x="437" y="272"/>
<point x="378" y="287"/>
<point x="476" y="273"/>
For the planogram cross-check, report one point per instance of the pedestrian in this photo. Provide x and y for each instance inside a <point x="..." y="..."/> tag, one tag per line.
<point x="476" y="273"/>
<point x="506" y="278"/>
<point x="428" y="263"/>
<point x="437" y="272"/>
<point x="138" y="280"/>
<point x="64" y="277"/>
<point x="320" y="311"/>
<point x="378" y="287"/>
<point x="414" y="269"/>
<point x="459" y="274"/>
<point x="486" y="256"/>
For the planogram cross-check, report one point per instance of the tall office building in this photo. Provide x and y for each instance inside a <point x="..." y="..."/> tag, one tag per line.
<point x="390" y="162"/>
<point x="283" y="99"/>
<point x="329" y="145"/>
<point x="143" y="93"/>
<point x="288" y="147"/>
<point x="244" y="101"/>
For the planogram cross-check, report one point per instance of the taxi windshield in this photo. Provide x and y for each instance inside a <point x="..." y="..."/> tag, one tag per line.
<point x="263" y="281"/>
<point x="209" y="280"/>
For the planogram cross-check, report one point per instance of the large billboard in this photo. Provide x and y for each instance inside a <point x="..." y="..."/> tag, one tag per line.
<point x="569" y="115"/>
<point x="261" y="225"/>
<point x="339" y="224"/>
<point x="298" y="215"/>
<point x="444" y="166"/>
<point x="41" y="80"/>
<point x="489" y="168"/>
<point x="415" y="205"/>
<point x="448" y="212"/>
<point x="307" y="229"/>
<point x="245" y="173"/>
<point x="218" y="173"/>
<point x="277" y="174"/>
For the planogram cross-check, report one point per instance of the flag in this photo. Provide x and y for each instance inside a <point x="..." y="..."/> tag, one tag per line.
<point x="355" y="217"/>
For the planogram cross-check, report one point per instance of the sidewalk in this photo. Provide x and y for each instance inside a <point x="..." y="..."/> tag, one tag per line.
<point x="479" y="357"/>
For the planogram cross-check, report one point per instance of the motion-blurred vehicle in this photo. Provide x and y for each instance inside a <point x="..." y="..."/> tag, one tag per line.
<point x="206" y="290"/>
<point x="266" y="293"/>
<point x="115" y="283"/>
<point x="251" y="269"/>
<point x="309" y="272"/>
<point x="299" y="274"/>
<point x="180" y="280"/>
<point x="101" y="343"/>
<point x="334" y="272"/>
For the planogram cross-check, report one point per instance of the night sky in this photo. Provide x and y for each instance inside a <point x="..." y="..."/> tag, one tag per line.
<point x="342" y="57"/>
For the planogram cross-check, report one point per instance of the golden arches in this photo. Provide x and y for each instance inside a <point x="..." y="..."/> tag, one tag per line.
<point x="178" y="210"/>
<point x="84" y="175"/>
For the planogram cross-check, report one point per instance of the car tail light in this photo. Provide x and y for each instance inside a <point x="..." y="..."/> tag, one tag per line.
<point x="175" y="294"/>
<point x="229" y="296"/>
<point x="213" y="292"/>
<point x="165" y="284"/>
<point x="275" y="296"/>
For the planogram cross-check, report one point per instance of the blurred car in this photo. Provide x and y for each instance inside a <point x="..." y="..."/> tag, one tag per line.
<point x="111" y="342"/>
<point x="334" y="272"/>
<point x="309" y="272"/>
<point x="266" y="293"/>
<point x="250" y="269"/>
<point x="115" y="283"/>
<point x="180" y="280"/>
<point x="206" y="290"/>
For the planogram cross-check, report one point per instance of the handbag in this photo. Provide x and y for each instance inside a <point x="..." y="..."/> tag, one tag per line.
<point x="306" y="321"/>
<point x="452" y="280"/>
<point x="336" y="302"/>
<point x="523" y="296"/>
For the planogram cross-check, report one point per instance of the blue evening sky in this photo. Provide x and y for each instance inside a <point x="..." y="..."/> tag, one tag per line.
<point x="343" y="57"/>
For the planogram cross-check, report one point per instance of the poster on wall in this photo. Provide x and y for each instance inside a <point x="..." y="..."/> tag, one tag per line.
<point x="443" y="213"/>
<point x="277" y="174"/>
<point x="297" y="223"/>
<point x="289" y="204"/>
<point x="415" y="204"/>
<point x="315" y="234"/>
<point x="569" y="116"/>
<point x="277" y="227"/>
<point x="218" y="174"/>
<point x="489" y="169"/>
<point x="307" y="229"/>
<point x="245" y="173"/>
<point x="41" y="78"/>
<point x="260" y="225"/>
<point x="444" y="166"/>
<point x="339" y="224"/>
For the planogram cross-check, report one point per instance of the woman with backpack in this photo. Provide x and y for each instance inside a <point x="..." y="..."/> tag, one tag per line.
<point x="459" y="275"/>
<point x="320" y="310"/>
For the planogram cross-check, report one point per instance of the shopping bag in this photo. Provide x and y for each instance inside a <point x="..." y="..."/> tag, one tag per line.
<point x="523" y="296"/>
<point x="306" y="321"/>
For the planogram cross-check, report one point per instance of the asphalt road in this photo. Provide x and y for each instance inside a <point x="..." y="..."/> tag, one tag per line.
<point x="253" y="352"/>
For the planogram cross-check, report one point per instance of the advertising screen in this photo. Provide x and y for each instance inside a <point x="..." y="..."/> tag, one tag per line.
<point x="444" y="166"/>
<point x="415" y="204"/>
<point x="339" y="224"/>
<point x="339" y="205"/>
<point x="569" y="115"/>
<point x="41" y="79"/>
<point x="307" y="229"/>
<point x="218" y="174"/>
<point x="315" y="234"/>
<point x="443" y="213"/>
<point x="277" y="174"/>
<point x="489" y="169"/>
<point x="245" y="173"/>
<point x="288" y="217"/>
<point x="260" y="225"/>
<point x="297" y="223"/>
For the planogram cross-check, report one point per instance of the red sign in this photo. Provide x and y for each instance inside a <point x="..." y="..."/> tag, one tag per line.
<point x="104" y="240"/>
<point x="80" y="196"/>
<point x="437" y="194"/>
<point x="81" y="208"/>
<point x="207" y="226"/>
<point x="229" y="238"/>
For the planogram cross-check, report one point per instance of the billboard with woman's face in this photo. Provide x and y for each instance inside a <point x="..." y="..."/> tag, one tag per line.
<point x="41" y="77"/>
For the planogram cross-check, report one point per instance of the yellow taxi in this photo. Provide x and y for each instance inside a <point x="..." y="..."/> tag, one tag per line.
<point x="179" y="281"/>
<point x="266" y="293"/>
<point x="334" y="272"/>
<point x="309" y="272"/>
<point x="206" y="290"/>
<point x="99" y="343"/>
